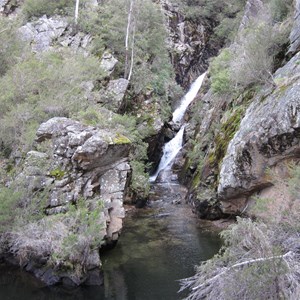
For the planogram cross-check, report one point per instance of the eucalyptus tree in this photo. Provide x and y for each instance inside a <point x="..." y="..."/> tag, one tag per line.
<point x="76" y="11"/>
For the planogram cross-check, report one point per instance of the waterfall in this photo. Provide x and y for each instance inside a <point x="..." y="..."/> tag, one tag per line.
<point x="172" y="148"/>
<point x="188" y="98"/>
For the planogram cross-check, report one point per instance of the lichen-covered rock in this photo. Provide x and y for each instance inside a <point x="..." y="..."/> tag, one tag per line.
<point x="108" y="62"/>
<point x="189" y="43"/>
<point x="78" y="178"/>
<point x="269" y="134"/>
<point x="2" y="4"/>
<point x="44" y="33"/>
<point x="9" y="6"/>
<point x="114" y="94"/>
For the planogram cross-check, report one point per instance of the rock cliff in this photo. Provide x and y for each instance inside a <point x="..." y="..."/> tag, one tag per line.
<point x="268" y="135"/>
<point x="240" y="140"/>
<point x="189" y="44"/>
<point x="82" y="174"/>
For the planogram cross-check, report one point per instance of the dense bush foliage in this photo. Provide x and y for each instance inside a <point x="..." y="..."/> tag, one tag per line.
<point x="250" y="59"/>
<point x="224" y="16"/>
<point x="38" y="8"/>
<point x="259" y="260"/>
<point x="39" y="88"/>
<point x="11" y="47"/>
<point x="152" y="70"/>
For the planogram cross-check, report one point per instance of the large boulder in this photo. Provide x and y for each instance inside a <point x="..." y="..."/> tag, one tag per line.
<point x="108" y="62"/>
<point x="269" y="134"/>
<point x="113" y="96"/>
<point x="81" y="173"/>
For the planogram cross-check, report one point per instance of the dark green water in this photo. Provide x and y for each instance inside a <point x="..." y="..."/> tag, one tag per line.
<point x="159" y="245"/>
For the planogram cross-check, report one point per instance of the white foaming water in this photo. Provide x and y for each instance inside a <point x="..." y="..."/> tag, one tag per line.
<point x="169" y="152"/>
<point x="188" y="98"/>
<point x="172" y="148"/>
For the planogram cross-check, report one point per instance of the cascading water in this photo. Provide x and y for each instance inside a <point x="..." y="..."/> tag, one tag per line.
<point x="159" y="245"/>
<point x="172" y="148"/>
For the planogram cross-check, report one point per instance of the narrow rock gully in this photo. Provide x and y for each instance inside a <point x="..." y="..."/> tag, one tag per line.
<point x="160" y="244"/>
<point x="164" y="241"/>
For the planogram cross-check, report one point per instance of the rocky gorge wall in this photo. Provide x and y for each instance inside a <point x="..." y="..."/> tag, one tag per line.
<point x="189" y="42"/>
<point x="246" y="143"/>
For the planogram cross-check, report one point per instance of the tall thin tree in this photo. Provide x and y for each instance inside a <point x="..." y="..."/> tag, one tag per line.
<point x="128" y="32"/>
<point x="76" y="11"/>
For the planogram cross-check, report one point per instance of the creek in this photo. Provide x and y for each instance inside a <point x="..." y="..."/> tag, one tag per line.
<point x="160" y="244"/>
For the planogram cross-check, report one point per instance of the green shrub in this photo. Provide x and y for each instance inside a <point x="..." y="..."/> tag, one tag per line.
<point x="57" y="173"/>
<point x="220" y="72"/>
<point x="39" y="88"/>
<point x="38" y="8"/>
<point x="11" y="47"/>
<point x="280" y="9"/>
<point x="254" y="262"/>
<point x="9" y="201"/>
<point x="85" y="236"/>
<point x="140" y="180"/>
<point x="250" y="60"/>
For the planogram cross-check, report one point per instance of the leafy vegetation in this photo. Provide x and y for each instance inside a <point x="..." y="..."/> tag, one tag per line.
<point x="225" y="16"/>
<point x="39" y="88"/>
<point x="250" y="60"/>
<point x="9" y="201"/>
<point x="11" y="47"/>
<point x="259" y="260"/>
<point x="38" y="8"/>
<point x="85" y="236"/>
<point x="152" y="72"/>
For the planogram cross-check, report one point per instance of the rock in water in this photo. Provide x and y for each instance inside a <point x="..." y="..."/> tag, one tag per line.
<point x="82" y="174"/>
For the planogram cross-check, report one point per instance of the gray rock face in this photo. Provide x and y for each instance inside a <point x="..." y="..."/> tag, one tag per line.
<point x="252" y="10"/>
<point x="114" y="94"/>
<point x="2" y="4"/>
<point x="74" y="163"/>
<point x="108" y="62"/>
<point x="42" y="32"/>
<point x="189" y="44"/>
<point x="268" y="134"/>
<point x="295" y="33"/>
<point x="45" y="32"/>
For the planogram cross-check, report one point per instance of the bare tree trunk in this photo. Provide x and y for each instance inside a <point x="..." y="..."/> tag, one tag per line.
<point x="241" y="264"/>
<point x="127" y="38"/>
<point x="132" y="53"/>
<point x="76" y="11"/>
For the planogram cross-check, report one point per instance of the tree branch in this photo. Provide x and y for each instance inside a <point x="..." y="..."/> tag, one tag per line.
<point x="247" y="262"/>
